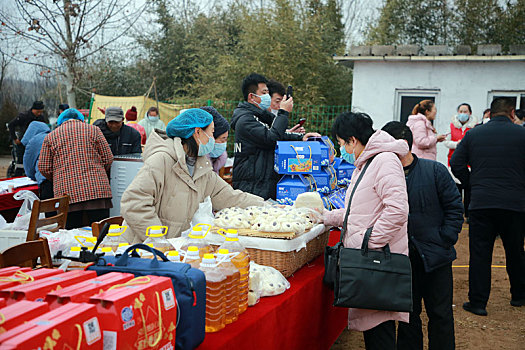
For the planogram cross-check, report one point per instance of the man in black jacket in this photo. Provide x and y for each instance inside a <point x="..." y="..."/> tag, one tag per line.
<point x="122" y="139"/>
<point x="495" y="153"/>
<point x="21" y="122"/>
<point x="256" y="133"/>
<point x="434" y="221"/>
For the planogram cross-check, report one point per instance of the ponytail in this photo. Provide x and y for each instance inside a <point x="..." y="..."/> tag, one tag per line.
<point x="422" y="107"/>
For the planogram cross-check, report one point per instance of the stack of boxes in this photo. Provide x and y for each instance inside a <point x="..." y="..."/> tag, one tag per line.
<point x="309" y="166"/>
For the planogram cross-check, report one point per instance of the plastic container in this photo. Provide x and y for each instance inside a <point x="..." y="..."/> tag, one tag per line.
<point x="197" y="238"/>
<point x="241" y="261"/>
<point x="192" y="257"/>
<point x="215" y="294"/>
<point x="173" y="255"/>
<point x="231" y="286"/>
<point x="157" y="238"/>
<point x="114" y="237"/>
<point x="122" y="248"/>
<point x="108" y="251"/>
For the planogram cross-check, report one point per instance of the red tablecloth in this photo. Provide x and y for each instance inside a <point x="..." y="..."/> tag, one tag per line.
<point x="301" y="318"/>
<point x="7" y="201"/>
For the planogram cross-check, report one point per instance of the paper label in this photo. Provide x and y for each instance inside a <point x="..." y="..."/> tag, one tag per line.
<point x="92" y="330"/>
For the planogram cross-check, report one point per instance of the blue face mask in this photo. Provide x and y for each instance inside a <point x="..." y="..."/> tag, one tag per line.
<point x="153" y="118"/>
<point x="347" y="157"/>
<point x="463" y="117"/>
<point x="266" y="101"/>
<point x="218" y="149"/>
<point x="207" y="148"/>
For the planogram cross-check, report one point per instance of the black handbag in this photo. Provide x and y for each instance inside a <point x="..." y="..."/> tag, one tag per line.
<point x="368" y="279"/>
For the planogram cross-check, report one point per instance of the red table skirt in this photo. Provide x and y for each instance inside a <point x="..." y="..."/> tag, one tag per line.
<point x="301" y="318"/>
<point x="7" y="201"/>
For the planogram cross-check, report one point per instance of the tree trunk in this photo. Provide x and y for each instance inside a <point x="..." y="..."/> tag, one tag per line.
<point x="70" y="91"/>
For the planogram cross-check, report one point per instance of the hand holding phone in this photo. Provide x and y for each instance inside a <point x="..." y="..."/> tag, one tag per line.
<point x="289" y="91"/>
<point x="302" y="121"/>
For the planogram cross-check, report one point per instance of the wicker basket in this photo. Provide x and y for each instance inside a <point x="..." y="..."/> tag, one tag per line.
<point x="289" y="262"/>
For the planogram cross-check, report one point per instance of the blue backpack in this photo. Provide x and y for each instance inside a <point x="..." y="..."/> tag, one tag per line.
<point x="189" y="285"/>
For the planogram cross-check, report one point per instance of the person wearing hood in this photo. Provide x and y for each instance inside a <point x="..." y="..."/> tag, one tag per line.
<point x="18" y="126"/>
<point x="131" y="121"/>
<point x="461" y="123"/>
<point x="425" y="135"/>
<point x="218" y="156"/>
<point x="176" y="177"/>
<point x="257" y="131"/>
<point x="380" y="201"/>
<point x="62" y="107"/>
<point x="32" y="141"/>
<point x="122" y="139"/>
<point x="75" y="157"/>
<point x="152" y="121"/>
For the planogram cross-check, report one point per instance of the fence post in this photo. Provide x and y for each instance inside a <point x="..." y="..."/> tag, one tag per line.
<point x="91" y="106"/>
<point x="210" y="102"/>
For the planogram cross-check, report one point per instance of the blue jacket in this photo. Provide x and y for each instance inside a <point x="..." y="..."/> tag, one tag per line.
<point x="33" y="140"/>
<point x="436" y="212"/>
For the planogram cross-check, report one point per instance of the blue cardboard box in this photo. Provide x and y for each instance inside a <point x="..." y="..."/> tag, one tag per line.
<point x="344" y="171"/>
<point x="297" y="157"/>
<point x="327" y="149"/>
<point x="290" y="186"/>
<point x="326" y="180"/>
<point x="337" y="198"/>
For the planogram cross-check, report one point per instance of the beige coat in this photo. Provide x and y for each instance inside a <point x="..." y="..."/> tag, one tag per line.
<point x="164" y="193"/>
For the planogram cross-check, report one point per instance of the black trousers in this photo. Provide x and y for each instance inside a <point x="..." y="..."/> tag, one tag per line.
<point x="45" y="191"/>
<point x="485" y="225"/>
<point x="20" y="150"/>
<point x="81" y="218"/>
<point x="465" y="192"/>
<point x="381" y="337"/>
<point x="435" y="288"/>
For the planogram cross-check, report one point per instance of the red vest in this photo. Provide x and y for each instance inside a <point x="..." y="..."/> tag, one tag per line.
<point x="456" y="134"/>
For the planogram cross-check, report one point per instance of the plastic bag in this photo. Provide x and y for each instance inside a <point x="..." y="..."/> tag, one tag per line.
<point x="272" y="282"/>
<point x="3" y="223"/>
<point x="62" y="240"/>
<point x="203" y="215"/>
<point x="24" y="214"/>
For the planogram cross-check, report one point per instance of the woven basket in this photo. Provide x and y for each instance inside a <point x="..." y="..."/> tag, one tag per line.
<point x="289" y="262"/>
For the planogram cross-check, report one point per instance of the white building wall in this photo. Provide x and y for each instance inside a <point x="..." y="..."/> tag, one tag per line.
<point x="375" y="84"/>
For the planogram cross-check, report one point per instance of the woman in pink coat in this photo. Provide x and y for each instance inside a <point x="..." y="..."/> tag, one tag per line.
<point x="380" y="201"/>
<point x="425" y="135"/>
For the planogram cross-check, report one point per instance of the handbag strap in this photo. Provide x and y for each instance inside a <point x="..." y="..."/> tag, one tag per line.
<point x="345" y="222"/>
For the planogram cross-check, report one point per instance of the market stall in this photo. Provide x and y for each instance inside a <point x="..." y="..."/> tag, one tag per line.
<point x="8" y="187"/>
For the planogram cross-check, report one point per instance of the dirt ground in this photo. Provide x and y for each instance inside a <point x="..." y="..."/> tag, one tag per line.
<point x="503" y="328"/>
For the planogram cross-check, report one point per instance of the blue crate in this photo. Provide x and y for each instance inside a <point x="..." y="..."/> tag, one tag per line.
<point x="297" y="157"/>
<point x="344" y="171"/>
<point x="290" y="186"/>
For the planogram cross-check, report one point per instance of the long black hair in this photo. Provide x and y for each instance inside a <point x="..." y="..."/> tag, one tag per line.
<point x="193" y="147"/>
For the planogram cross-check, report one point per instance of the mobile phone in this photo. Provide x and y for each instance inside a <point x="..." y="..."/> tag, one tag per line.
<point x="289" y="91"/>
<point x="302" y="121"/>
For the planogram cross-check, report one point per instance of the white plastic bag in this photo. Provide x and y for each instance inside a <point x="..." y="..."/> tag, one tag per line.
<point x="271" y="281"/>
<point x="61" y="240"/>
<point x="24" y="214"/>
<point x="3" y="223"/>
<point x="203" y="215"/>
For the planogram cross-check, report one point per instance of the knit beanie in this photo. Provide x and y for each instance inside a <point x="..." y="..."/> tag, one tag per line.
<point x="131" y="114"/>
<point x="220" y="123"/>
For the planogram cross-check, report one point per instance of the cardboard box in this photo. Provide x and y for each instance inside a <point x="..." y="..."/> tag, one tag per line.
<point x="83" y="291"/>
<point x="326" y="180"/>
<point x="290" y="186"/>
<point x="139" y="314"/>
<point x="327" y="149"/>
<point x="8" y="271"/>
<point x="297" y="157"/>
<point x="72" y="326"/>
<point x="344" y="171"/>
<point x="21" y="277"/>
<point x="38" y="290"/>
<point x="21" y="312"/>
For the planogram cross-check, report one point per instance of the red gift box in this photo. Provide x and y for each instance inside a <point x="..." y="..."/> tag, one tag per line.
<point x="72" y="326"/>
<point x="2" y="302"/>
<point x="38" y="290"/>
<point x="16" y="314"/>
<point x="22" y="277"/>
<point x="81" y="292"/>
<point x="8" y="271"/>
<point x="139" y="314"/>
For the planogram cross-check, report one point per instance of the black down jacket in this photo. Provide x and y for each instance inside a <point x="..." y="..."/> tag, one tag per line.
<point x="436" y="212"/>
<point x="256" y="134"/>
<point x="126" y="141"/>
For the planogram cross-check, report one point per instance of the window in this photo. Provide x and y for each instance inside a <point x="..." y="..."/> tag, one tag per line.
<point x="407" y="99"/>
<point x="517" y="96"/>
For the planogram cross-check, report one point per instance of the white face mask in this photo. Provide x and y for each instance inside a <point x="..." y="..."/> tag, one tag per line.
<point x="153" y="118"/>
